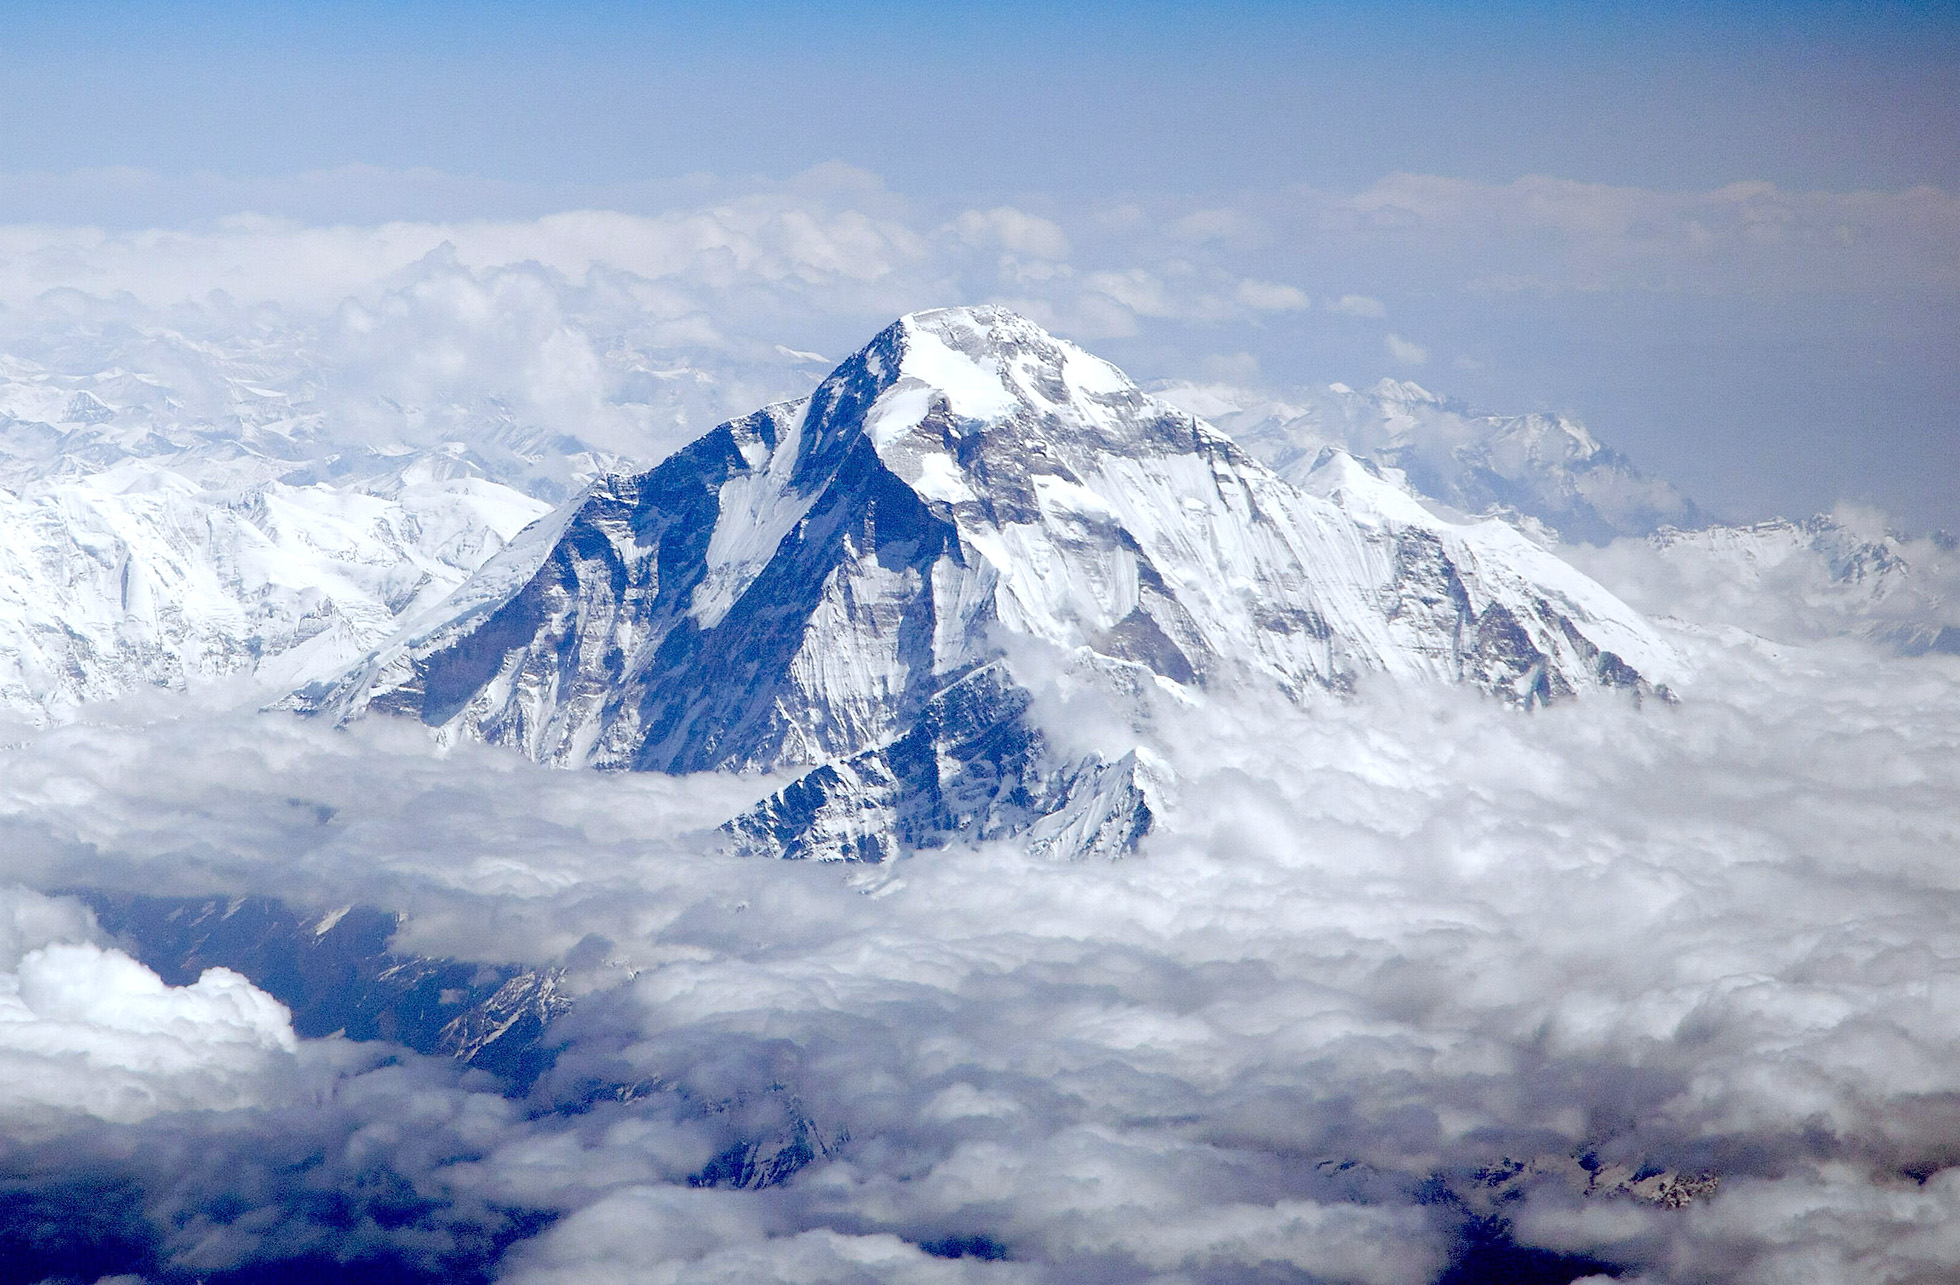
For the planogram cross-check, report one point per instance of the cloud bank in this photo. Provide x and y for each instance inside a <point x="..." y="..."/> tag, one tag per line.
<point x="86" y="1029"/>
<point x="872" y="252"/>
<point x="1376" y="950"/>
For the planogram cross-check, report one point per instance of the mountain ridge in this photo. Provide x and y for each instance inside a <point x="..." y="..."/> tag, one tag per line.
<point x="824" y="584"/>
<point x="1537" y="468"/>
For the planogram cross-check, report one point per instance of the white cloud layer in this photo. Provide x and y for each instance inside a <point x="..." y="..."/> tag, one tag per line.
<point x="1497" y="278"/>
<point x="835" y="241"/>
<point x="1403" y="935"/>
<point x="84" y="1028"/>
<point x="1357" y="305"/>
<point x="1792" y="582"/>
<point x="1403" y="351"/>
<point x="1555" y="234"/>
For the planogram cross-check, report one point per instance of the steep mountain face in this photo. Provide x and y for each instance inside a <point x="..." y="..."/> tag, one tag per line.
<point x="851" y="583"/>
<point x="1546" y="468"/>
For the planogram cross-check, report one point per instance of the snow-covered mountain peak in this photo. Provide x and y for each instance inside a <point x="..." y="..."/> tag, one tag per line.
<point x="1543" y="442"/>
<point x="974" y="381"/>
<point x="1406" y="392"/>
<point x="1796" y="582"/>
<point x="1102" y="518"/>
<point x="850" y="584"/>
<point x="1364" y="489"/>
<point x="969" y="351"/>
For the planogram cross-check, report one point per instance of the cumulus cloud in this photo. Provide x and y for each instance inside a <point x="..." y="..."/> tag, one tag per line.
<point x="1270" y="296"/>
<point x="839" y="231"/>
<point x="84" y="1028"/>
<point x="782" y="238"/>
<point x="703" y="1236"/>
<point x="1143" y="293"/>
<point x="630" y="333"/>
<point x="1014" y="231"/>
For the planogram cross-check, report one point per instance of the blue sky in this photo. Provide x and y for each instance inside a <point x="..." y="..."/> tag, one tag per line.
<point x="1763" y="380"/>
<point x="996" y="98"/>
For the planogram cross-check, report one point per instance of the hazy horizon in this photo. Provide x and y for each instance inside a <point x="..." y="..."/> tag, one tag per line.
<point x="1728" y="241"/>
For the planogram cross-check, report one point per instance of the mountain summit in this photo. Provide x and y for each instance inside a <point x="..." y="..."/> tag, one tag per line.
<point x="846" y="584"/>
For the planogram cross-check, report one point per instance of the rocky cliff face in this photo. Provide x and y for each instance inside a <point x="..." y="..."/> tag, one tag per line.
<point x="847" y="583"/>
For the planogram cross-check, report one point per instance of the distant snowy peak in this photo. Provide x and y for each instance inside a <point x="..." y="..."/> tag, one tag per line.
<point x="852" y="583"/>
<point x="311" y="403"/>
<point x="1548" y="468"/>
<point x="1792" y="581"/>
<point x="1797" y="582"/>
<point x="231" y="434"/>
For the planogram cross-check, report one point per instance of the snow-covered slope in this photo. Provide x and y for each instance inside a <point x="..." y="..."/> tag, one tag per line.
<point x="852" y="582"/>
<point x="1547" y="468"/>
<point x="136" y="576"/>
<point x="271" y="498"/>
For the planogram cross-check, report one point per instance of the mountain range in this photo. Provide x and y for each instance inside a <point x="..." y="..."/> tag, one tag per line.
<point x="177" y="508"/>
<point x="857" y="588"/>
<point x="975" y="586"/>
<point x="857" y="585"/>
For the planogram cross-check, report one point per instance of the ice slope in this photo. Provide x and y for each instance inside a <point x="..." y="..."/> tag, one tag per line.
<point x="843" y="584"/>
<point x="1547" y="468"/>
